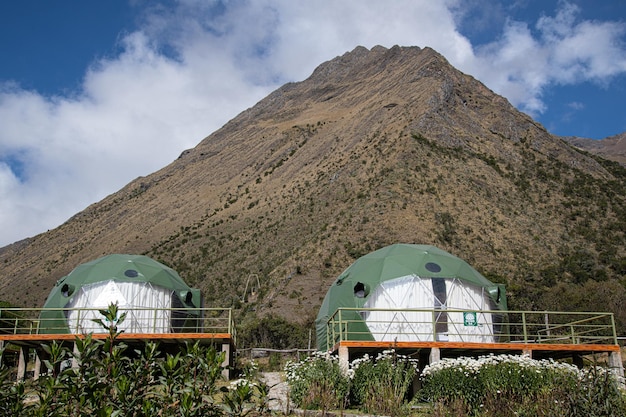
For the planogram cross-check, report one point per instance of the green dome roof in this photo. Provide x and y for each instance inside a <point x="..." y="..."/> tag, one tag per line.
<point x="357" y="283"/>
<point x="121" y="268"/>
<point x="87" y="282"/>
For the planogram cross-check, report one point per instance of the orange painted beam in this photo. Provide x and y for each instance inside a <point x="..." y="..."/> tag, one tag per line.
<point x="478" y="346"/>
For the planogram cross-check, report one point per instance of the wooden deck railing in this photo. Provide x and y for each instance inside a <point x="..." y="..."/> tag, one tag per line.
<point x="59" y="321"/>
<point x="481" y="326"/>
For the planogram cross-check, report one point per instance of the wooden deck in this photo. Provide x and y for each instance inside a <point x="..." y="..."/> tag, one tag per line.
<point x="352" y="332"/>
<point x="28" y="330"/>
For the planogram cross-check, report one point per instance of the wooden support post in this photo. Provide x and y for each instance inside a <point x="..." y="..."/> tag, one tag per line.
<point x="435" y="355"/>
<point x="228" y="360"/>
<point x="344" y="358"/>
<point x="74" y="360"/>
<point x="38" y="363"/>
<point x="21" y="363"/>
<point x="528" y="352"/>
<point x="616" y="365"/>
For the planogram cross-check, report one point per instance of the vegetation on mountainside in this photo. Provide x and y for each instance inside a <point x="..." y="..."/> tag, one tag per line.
<point x="271" y="332"/>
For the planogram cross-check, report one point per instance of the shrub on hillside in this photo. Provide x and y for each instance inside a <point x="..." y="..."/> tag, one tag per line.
<point x="271" y="332"/>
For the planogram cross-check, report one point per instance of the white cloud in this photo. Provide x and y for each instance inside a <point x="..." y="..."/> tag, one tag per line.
<point x="134" y="114"/>
<point x="561" y="50"/>
<point x="576" y="105"/>
<point x="185" y="71"/>
<point x="514" y="65"/>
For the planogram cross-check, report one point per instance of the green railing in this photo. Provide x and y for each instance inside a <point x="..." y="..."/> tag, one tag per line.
<point x="22" y="321"/>
<point x="428" y="325"/>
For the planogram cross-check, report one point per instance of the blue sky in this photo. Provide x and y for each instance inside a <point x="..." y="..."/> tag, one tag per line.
<point x="87" y="86"/>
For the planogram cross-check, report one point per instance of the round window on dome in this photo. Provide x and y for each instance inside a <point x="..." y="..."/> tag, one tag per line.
<point x="433" y="267"/>
<point x="131" y="273"/>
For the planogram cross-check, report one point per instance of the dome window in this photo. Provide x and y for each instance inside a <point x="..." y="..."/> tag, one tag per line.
<point x="131" y="273"/>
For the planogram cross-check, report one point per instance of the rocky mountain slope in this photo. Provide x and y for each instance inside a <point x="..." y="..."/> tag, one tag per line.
<point x="376" y="147"/>
<point x="612" y="148"/>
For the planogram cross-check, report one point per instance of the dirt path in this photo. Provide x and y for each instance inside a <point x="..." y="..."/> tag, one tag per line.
<point x="279" y="391"/>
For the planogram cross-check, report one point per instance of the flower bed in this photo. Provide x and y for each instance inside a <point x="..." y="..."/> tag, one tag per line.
<point x="503" y="385"/>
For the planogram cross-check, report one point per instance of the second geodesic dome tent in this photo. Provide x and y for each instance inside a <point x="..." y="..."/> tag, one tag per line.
<point x="406" y="292"/>
<point x="153" y="296"/>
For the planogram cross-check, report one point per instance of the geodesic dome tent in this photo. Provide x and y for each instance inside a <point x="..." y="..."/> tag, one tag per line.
<point x="397" y="280"/>
<point x="154" y="297"/>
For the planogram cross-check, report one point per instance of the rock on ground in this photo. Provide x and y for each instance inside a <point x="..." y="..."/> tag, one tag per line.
<point x="279" y="391"/>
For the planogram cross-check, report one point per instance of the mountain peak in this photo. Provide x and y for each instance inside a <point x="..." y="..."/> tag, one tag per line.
<point x="362" y="61"/>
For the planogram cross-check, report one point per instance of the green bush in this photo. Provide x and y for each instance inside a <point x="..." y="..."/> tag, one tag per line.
<point x="378" y="386"/>
<point x="243" y="397"/>
<point x="490" y="386"/>
<point x="519" y="386"/>
<point x="12" y="395"/>
<point x="382" y="385"/>
<point x="271" y="332"/>
<point x="318" y="383"/>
